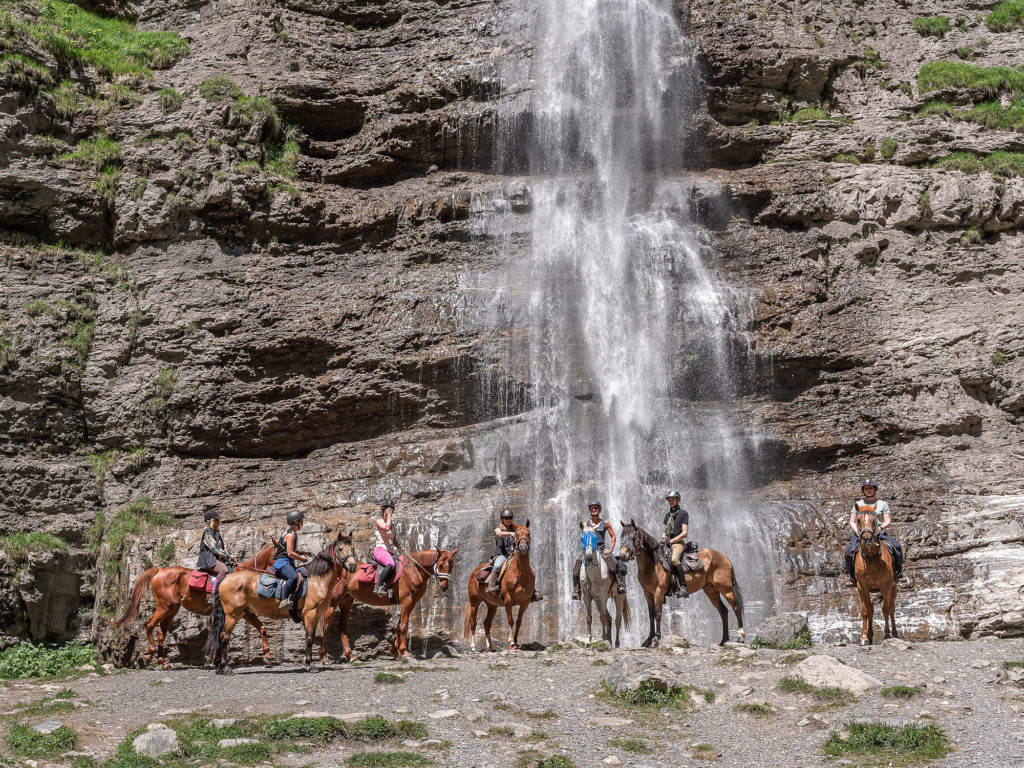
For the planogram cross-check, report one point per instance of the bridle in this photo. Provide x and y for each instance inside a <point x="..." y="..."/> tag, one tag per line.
<point x="523" y="542"/>
<point x="344" y="561"/>
<point x="868" y="537"/>
<point x="433" y="573"/>
<point x="629" y="546"/>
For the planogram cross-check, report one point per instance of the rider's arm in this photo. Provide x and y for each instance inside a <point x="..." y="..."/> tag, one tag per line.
<point x="218" y="551"/>
<point x="289" y="541"/>
<point x="682" y="534"/>
<point x="853" y="520"/>
<point x="503" y="532"/>
<point x="886" y="521"/>
<point x="610" y="533"/>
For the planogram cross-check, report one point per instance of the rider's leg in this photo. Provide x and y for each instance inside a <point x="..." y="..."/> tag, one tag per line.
<point x="492" y="581"/>
<point x="677" y="566"/>
<point x="850" y="559"/>
<point x="898" y="560"/>
<point x="385" y="568"/>
<point x="576" y="578"/>
<point x="613" y="571"/>
<point x="286" y="571"/>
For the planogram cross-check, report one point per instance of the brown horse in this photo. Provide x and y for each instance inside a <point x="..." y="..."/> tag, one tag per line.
<point x="874" y="570"/>
<point x="718" y="580"/>
<point x="171" y="593"/>
<point x="236" y="595"/>
<point x="417" y="570"/>
<point x="517" y="587"/>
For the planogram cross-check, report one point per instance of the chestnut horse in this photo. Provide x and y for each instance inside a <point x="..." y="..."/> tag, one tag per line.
<point x="171" y="592"/>
<point x="718" y="580"/>
<point x="517" y="587"/>
<point x="236" y="596"/>
<point x="417" y="570"/>
<point x="873" y="568"/>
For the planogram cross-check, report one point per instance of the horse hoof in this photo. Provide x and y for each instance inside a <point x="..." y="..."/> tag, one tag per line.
<point x="313" y="670"/>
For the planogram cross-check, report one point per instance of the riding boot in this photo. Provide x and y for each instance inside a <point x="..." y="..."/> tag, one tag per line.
<point x="576" y="589"/>
<point x="681" y="575"/>
<point x="383" y="579"/>
<point x="620" y="588"/>
<point x="850" y="560"/>
<point x="492" y="582"/>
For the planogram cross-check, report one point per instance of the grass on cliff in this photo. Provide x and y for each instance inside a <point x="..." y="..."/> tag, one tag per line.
<point x="130" y="521"/>
<point x="931" y="26"/>
<point x="1006" y="16"/>
<point x="28" y="659"/>
<point x="939" y="75"/>
<point x="18" y="546"/>
<point x="886" y="743"/>
<point x="987" y="114"/>
<point x="1002" y="164"/>
<point x="247" y="108"/>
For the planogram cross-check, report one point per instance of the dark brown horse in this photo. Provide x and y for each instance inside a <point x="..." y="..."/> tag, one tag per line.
<point x="418" y="569"/>
<point x="874" y="570"/>
<point x="717" y="579"/>
<point x="171" y="593"/>
<point x="236" y="596"/>
<point x="517" y="588"/>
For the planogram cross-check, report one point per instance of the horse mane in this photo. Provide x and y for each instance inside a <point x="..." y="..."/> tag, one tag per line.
<point x="648" y="540"/>
<point x="323" y="563"/>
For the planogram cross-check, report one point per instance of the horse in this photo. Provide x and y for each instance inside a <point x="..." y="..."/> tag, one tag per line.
<point x="718" y="580"/>
<point x="517" y="587"/>
<point x="597" y="585"/>
<point x="874" y="569"/>
<point x="236" y="595"/>
<point x="417" y="570"/>
<point x="171" y="592"/>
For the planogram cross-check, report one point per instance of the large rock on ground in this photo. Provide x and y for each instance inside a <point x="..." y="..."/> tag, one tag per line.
<point x="830" y="672"/>
<point x="158" y="740"/>
<point x="783" y="629"/>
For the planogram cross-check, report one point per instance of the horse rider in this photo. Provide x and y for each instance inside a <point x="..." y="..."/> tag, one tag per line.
<point x="213" y="557"/>
<point x="616" y="569"/>
<point x="871" y="504"/>
<point x="504" y="548"/>
<point x="677" y="525"/>
<point x="286" y="555"/>
<point x="385" y="547"/>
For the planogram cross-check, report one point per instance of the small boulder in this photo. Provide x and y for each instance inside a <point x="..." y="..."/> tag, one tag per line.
<point x="225" y="722"/>
<point x="444" y="714"/>
<point x="782" y="630"/>
<point x="612" y="760"/>
<point x="157" y="740"/>
<point x="611" y="722"/>
<point x="829" y="672"/>
<point x="47" y="726"/>
<point x="229" y="743"/>
<point x="354" y="717"/>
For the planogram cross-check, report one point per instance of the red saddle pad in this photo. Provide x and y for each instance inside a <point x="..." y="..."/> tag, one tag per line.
<point x="200" y="581"/>
<point x="367" y="572"/>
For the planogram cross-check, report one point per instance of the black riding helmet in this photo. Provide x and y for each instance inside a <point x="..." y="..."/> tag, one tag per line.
<point x="295" y="517"/>
<point x="673" y="495"/>
<point x="869" y="481"/>
<point x="386" y="504"/>
<point x="211" y="514"/>
<point x="594" y="504"/>
<point x="506" y="514"/>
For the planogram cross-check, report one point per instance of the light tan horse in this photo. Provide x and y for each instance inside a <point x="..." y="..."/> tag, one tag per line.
<point x="236" y="595"/>
<point x="874" y="570"/>
<point x="418" y="569"/>
<point x="171" y="592"/>
<point x="717" y="580"/>
<point x="517" y="588"/>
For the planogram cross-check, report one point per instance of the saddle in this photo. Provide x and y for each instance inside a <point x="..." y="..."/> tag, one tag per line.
<point x="270" y="586"/>
<point x="201" y="581"/>
<point x="367" y="572"/>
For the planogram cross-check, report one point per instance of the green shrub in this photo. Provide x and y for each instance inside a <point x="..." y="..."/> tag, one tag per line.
<point x="1006" y="16"/>
<point x="97" y="152"/>
<point x="647" y="696"/>
<point x="218" y="88"/>
<point x="387" y="678"/>
<point x="846" y="157"/>
<point x="924" y="204"/>
<point x="106" y="184"/>
<point x="931" y="26"/>
<point x="250" y="108"/>
<point x="24" y="73"/>
<point x="169" y="100"/>
<point x="24" y="741"/>
<point x="938" y="75"/>
<point x="966" y="53"/>
<point x="130" y="521"/>
<point x="972" y="236"/>
<point x="26" y="659"/>
<point x="19" y="545"/>
<point x="889" y="147"/>
<point x="806" y="114"/>
<point x="885" y="742"/>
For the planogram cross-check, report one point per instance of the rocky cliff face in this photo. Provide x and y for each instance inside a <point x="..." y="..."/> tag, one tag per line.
<point x="254" y="282"/>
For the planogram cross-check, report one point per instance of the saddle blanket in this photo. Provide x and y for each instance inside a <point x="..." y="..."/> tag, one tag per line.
<point x="200" y="581"/>
<point x="691" y="558"/>
<point x="271" y="586"/>
<point x="367" y="573"/>
<point x="485" y="573"/>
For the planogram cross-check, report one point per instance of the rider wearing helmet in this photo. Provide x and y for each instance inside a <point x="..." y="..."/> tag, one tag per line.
<point x="286" y="554"/>
<point x="504" y="548"/>
<point x="616" y="569"/>
<point x="386" y="547"/>
<point x="677" y="525"/>
<point x="213" y="558"/>
<point x="871" y="504"/>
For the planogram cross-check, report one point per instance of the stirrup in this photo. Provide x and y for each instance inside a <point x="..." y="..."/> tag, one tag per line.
<point x="537" y="597"/>
<point x="620" y="588"/>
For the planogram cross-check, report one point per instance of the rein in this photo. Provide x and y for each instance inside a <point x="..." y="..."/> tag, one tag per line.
<point x="433" y="573"/>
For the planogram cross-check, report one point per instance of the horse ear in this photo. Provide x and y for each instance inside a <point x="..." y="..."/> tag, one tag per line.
<point x="455" y="552"/>
<point x="631" y="522"/>
<point x="527" y="522"/>
<point x="581" y="525"/>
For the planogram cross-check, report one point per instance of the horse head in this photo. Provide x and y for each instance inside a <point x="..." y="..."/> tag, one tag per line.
<point x="443" y="567"/>
<point x="343" y="552"/>
<point x="627" y="550"/>
<point x="588" y="543"/>
<point x="523" y="537"/>
<point x="867" y="532"/>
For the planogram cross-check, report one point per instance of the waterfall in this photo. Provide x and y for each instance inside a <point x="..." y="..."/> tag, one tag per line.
<point x="634" y="345"/>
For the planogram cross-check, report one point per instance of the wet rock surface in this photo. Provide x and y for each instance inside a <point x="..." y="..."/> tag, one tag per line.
<point x="236" y="339"/>
<point x="553" y="702"/>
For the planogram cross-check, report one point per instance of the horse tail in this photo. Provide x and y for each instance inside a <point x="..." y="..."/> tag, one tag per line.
<point x="466" y="615"/>
<point x="212" y="647"/>
<point x="132" y="611"/>
<point x="627" y="613"/>
<point x="736" y="590"/>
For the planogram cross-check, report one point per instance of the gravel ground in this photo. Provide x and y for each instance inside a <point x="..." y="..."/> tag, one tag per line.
<point x="547" y="698"/>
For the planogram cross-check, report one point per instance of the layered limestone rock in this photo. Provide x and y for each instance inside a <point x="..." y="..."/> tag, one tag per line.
<point x="253" y="313"/>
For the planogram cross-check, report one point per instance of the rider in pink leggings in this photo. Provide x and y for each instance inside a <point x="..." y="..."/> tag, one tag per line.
<point x="385" y="546"/>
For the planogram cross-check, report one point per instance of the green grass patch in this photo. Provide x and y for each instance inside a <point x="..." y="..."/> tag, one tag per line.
<point x="884" y="742"/>
<point x="972" y="236"/>
<point x="18" y="546"/>
<point x="932" y="26"/>
<point x="129" y="522"/>
<point x="1009" y="664"/>
<point x="939" y="75"/>
<point x="27" y="659"/>
<point x="24" y="741"/>
<point x="600" y="646"/>
<point x="599" y="663"/>
<point x="218" y="88"/>
<point x="1006" y="16"/>
<point x="388" y="678"/>
<point x="24" y="73"/>
<point x="169" y="99"/>
<point x="631" y="744"/>
<point x="756" y="709"/>
<point x="386" y="760"/>
<point x="901" y="691"/>
<point x="799" y="643"/>
<point x="96" y="153"/>
<point x="889" y="147"/>
<point x="795" y="684"/>
<point x="846" y="157"/>
<point x="806" y="114"/>
<point x="966" y="162"/>
<point x="647" y="696"/>
<point x="318" y="730"/>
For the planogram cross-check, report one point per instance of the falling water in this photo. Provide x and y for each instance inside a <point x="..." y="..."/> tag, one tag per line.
<point x="634" y="344"/>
